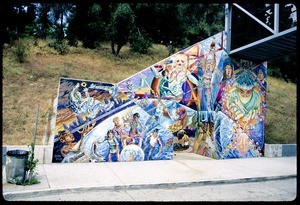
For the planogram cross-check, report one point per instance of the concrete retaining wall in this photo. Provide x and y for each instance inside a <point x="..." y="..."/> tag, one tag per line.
<point x="41" y="152"/>
<point x="280" y="150"/>
<point x="44" y="152"/>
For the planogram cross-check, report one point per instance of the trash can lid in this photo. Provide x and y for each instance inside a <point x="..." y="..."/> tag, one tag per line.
<point x="17" y="153"/>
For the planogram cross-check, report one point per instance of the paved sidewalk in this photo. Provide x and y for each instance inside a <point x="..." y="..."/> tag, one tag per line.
<point x="184" y="170"/>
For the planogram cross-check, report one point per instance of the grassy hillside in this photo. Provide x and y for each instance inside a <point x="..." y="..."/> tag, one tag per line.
<point x="25" y="85"/>
<point x="281" y="112"/>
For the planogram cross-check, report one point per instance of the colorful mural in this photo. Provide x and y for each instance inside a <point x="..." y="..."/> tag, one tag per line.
<point x="170" y="90"/>
<point x="188" y="94"/>
<point x="198" y="100"/>
<point x="95" y="122"/>
<point x="235" y="128"/>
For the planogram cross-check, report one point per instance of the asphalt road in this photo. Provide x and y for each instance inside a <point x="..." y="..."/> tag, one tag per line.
<point x="270" y="190"/>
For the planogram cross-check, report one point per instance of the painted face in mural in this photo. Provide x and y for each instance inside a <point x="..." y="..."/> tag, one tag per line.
<point x="116" y="120"/>
<point x="244" y="100"/>
<point x="260" y="75"/>
<point x="136" y="116"/>
<point x="228" y="71"/>
<point x="245" y="84"/>
<point x="155" y="133"/>
<point x="66" y="137"/>
<point x="165" y="73"/>
<point x="129" y="85"/>
<point x="207" y="72"/>
<point x="181" y="61"/>
<point x="244" y="94"/>
<point x="110" y="134"/>
<point x="209" y="67"/>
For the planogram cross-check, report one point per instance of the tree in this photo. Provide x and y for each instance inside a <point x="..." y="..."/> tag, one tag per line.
<point x="122" y="22"/>
<point x="78" y="20"/>
<point x="16" y="18"/>
<point x="139" y="42"/>
<point x="285" y="67"/>
<point x="60" y="12"/>
<point x="89" y="23"/>
<point x="42" y="20"/>
<point x="181" y="24"/>
<point x="147" y="19"/>
<point x="199" y="21"/>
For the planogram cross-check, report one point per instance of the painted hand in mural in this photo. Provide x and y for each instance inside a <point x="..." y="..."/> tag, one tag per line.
<point x="238" y="110"/>
<point x="242" y="140"/>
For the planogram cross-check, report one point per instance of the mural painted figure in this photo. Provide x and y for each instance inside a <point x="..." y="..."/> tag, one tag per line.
<point x="197" y="100"/>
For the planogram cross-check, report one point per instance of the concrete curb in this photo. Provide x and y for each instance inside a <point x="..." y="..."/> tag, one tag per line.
<point x="52" y="191"/>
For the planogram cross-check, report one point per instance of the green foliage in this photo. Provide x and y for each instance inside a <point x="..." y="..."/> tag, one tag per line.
<point x="199" y="21"/>
<point x="60" y="11"/>
<point x="185" y="43"/>
<point x="32" y="181"/>
<point x="140" y="43"/>
<point x="183" y="24"/>
<point x="122" y="18"/>
<point x="20" y="50"/>
<point x="60" y="46"/>
<point x="121" y="25"/>
<point x="73" y="41"/>
<point x="285" y="67"/>
<point x="31" y="163"/>
<point x="43" y="21"/>
<point x="30" y="168"/>
<point x="10" y="69"/>
<point x="88" y="23"/>
<point x="274" y="72"/>
<point x="16" y="16"/>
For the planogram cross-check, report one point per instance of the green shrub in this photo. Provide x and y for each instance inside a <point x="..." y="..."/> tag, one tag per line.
<point x="73" y="41"/>
<point x="140" y="43"/>
<point x="20" y="50"/>
<point x="274" y="72"/>
<point x="60" y="46"/>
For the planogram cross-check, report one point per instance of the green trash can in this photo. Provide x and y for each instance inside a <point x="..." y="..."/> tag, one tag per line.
<point x="16" y="161"/>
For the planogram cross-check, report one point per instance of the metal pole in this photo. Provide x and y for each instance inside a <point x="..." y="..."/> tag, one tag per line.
<point x="35" y="128"/>
<point x="31" y="158"/>
<point x="276" y="18"/>
<point x="228" y="19"/>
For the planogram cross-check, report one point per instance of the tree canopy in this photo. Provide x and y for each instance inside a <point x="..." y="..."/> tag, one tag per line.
<point x="89" y="22"/>
<point x="140" y="24"/>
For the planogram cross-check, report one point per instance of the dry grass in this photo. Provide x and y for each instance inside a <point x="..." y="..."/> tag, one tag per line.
<point x="35" y="82"/>
<point x="281" y="112"/>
